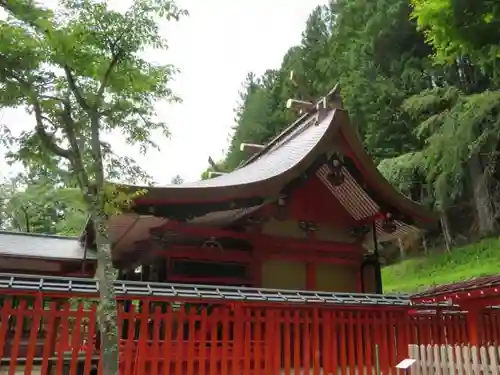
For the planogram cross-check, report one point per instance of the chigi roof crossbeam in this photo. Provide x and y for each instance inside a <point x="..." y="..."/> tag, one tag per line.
<point x="133" y="289"/>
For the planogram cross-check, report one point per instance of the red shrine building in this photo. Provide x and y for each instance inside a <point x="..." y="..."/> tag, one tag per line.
<point x="301" y="212"/>
<point x="304" y="211"/>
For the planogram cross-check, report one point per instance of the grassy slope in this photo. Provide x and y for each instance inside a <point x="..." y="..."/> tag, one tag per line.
<point x="478" y="259"/>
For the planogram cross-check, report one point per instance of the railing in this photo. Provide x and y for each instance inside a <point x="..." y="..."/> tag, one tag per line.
<point x="167" y="330"/>
<point x="183" y="340"/>
<point x="457" y="360"/>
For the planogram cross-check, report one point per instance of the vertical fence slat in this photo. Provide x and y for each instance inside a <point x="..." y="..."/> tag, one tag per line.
<point x="360" y="352"/>
<point x="33" y="336"/>
<point x="287" y="342"/>
<point x="495" y="363"/>
<point x="459" y="359"/>
<point x="5" y="310"/>
<point x="19" y="313"/>
<point x="157" y="320"/>
<point x="258" y="341"/>
<point x="315" y="342"/>
<point x="306" y="342"/>
<point x="424" y="359"/>
<point x="129" y="344"/>
<point x="296" y="343"/>
<point x="226" y="345"/>
<point x="191" y="342"/>
<point x="76" y="339"/>
<point x="277" y="347"/>
<point x="247" y="348"/>
<point x="369" y="342"/>
<point x="351" y="338"/>
<point x="342" y="343"/>
<point x="214" y="316"/>
<point x="90" y="347"/>
<point x="167" y="345"/>
<point x="50" y="328"/>
<point x="268" y="340"/>
<point x="326" y="336"/>
<point x="451" y="360"/>
<point x="202" y="367"/>
<point x="63" y="340"/>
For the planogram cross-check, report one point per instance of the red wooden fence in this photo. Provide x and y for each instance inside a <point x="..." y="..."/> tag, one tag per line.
<point x="168" y="337"/>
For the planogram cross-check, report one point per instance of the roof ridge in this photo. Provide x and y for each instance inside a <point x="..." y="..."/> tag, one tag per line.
<point x="288" y="131"/>
<point x="42" y="235"/>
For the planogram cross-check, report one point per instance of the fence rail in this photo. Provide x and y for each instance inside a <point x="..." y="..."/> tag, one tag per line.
<point x="13" y="283"/>
<point x="172" y="336"/>
<point x="455" y="359"/>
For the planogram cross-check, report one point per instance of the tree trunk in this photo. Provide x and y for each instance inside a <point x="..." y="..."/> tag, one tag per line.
<point x="481" y="195"/>
<point x="107" y="310"/>
<point x="402" y="249"/>
<point x="445" y="227"/>
<point x="424" y="245"/>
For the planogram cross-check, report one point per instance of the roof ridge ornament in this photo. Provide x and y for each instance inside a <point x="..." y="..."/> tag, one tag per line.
<point x="301" y="106"/>
<point x="251" y="148"/>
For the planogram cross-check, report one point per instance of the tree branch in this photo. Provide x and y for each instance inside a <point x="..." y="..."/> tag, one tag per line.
<point x="107" y="75"/>
<point x="75" y="89"/>
<point x="46" y="138"/>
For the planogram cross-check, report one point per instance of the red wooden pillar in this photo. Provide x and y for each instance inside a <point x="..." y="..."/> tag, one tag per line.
<point x="473" y="324"/>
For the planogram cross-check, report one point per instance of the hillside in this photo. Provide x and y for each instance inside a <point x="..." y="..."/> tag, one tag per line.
<point x="478" y="259"/>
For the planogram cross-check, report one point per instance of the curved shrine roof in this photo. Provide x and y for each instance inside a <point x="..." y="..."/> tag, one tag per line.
<point x="304" y="149"/>
<point x="265" y="175"/>
<point x="286" y="158"/>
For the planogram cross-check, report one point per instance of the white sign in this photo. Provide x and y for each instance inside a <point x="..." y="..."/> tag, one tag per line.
<point x="406" y="363"/>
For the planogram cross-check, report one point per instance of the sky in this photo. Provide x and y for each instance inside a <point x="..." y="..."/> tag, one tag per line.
<point x="214" y="48"/>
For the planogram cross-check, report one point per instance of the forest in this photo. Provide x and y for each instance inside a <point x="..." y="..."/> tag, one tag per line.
<point x="420" y="79"/>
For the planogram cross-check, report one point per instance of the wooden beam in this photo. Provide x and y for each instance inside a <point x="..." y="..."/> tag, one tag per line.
<point x="201" y="254"/>
<point x="251" y="148"/>
<point x="267" y="241"/>
<point x="299" y="105"/>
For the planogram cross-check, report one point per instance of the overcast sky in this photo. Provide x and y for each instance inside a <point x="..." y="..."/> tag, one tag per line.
<point x="215" y="47"/>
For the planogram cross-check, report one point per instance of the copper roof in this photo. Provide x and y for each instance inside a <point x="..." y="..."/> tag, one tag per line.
<point x="269" y="172"/>
<point x="34" y="245"/>
<point x="264" y="176"/>
<point x="480" y="287"/>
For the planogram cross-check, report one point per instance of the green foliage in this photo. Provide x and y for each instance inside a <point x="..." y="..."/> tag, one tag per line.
<point x="373" y="51"/>
<point x="418" y="77"/>
<point x="78" y="69"/>
<point x="458" y="28"/>
<point x="39" y="206"/>
<point x="466" y="262"/>
<point x="403" y="171"/>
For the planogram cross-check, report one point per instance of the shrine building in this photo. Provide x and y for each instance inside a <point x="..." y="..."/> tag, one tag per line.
<point x="302" y="212"/>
